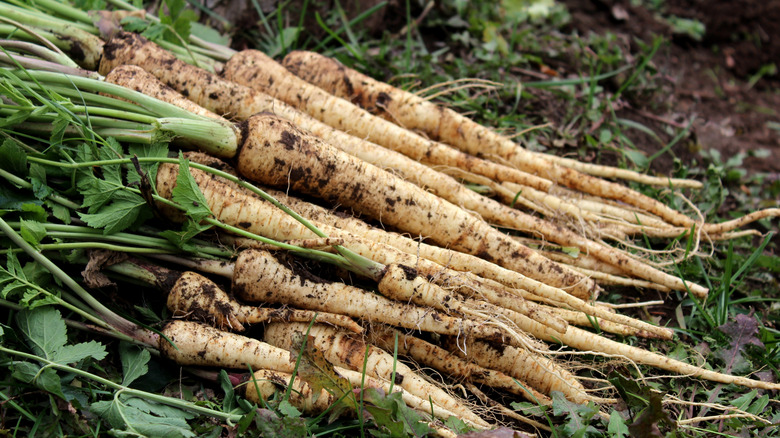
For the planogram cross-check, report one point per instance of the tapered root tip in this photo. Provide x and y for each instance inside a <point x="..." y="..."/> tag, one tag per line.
<point x="698" y="291"/>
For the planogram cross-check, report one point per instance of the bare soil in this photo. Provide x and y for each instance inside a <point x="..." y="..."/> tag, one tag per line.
<point x="709" y="79"/>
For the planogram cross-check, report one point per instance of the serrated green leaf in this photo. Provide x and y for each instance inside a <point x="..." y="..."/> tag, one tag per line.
<point x="269" y="424"/>
<point x="46" y="335"/>
<point x="12" y="199"/>
<point x="182" y="25"/>
<point x="577" y="416"/>
<point x="116" y="217"/>
<point x="32" y="232"/>
<point x="45" y="379"/>
<point x="38" y="179"/>
<point x="58" y="130"/>
<point x="288" y="410"/>
<point x="155" y="32"/>
<point x="60" y="212"/>
<point x="37" y="274"/>
<point x="32" y="298"/>
<point x="390" y="412"/>
<point x="457" y="425"/>
<point x="109" y="411"/>
<point x="34" y="211"/>
<point x="25" y="371"/>
<point x="76" y="396"/>
<point x="174" y="9"/>
<point x="134" y="24"/>
<point x="74" y="353"/>
<point x="44" y="330"/>
<point x="134" y="362"/>
<point x="180" y="238"/>
<point x="617" y="425"/>
<point x="158" y="409"/>
<point x="49" y="381"/>
<point x="229" y="402"/>
<point x="13" y="269"/>
<point x="12" y="288"/>
<point x="14" y="158"/>
<point x="155" y="150"/>
<point x="130" y="420"/>
<point x="188" y="194"/>
<point x="98" y="193"/>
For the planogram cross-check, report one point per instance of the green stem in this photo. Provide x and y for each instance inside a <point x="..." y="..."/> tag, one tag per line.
<point x="131" y="136"/>
<point x="216" y="138"/>
<point x="155" y="106"/>
<point x="210" y="266"/>
<point x="320" y="255"/>
<point x="123" y="237"/>
<point x="38" y="64"/>
<point x="92" y="245"/>
<point x="19" y="182"/>
<point x="131" y="268"/>
<point x="38" y="18"/>
<point x="182" y="404"/>
<point x="117" y="322"/>
<point x="72" y="307"/>
<point x="41" y="52"/>
<point x="100" y="100"/>
<point x="76" y="37"/>
<point x="97" y="116"/>
<point x="64" y="9"/>
<point x="356" y="263"/>
<point x="20" y="31"/>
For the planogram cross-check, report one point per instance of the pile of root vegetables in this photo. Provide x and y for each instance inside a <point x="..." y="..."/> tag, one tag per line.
<point x="341" y="213"/>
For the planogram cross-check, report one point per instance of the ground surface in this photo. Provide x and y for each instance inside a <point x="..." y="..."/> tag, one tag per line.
<point x="711" y="80"/>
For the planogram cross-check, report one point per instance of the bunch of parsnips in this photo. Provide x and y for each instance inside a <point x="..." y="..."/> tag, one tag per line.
<point x="462" y="297"/>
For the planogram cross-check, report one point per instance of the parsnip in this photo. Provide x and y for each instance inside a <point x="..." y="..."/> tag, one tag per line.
<point x="196" y="297"/>
<point x="350" y="352"/>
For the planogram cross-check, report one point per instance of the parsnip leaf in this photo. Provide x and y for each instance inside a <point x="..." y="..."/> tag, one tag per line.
<point x="617" y="425"/>
<point x="136" y="417"/>
<point x="156" y="150"/>
<point x="110" y="206"/>
<point x="188" y="194"/>
<point x="134" y="362"/>
<point x="315" y="370"/>
<point x="25" y="285"/>
<point x="391" y="412"/>
<point x="14" y="159"/>
<point x="46" y="336"/>
<point x="229" y="402"/>
<point x="32" y="231"/>
<point x="38" y="180"/>
<point x="117" y="216"/>
<point x="578" y="416"/>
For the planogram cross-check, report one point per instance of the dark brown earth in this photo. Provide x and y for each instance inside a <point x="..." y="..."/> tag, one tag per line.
<point x="709" y="80"/>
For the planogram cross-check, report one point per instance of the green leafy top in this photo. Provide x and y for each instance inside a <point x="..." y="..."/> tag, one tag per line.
<point x="109" y="205"/>
<point x="46" y="335"/>
<point x="174" y="26"/>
